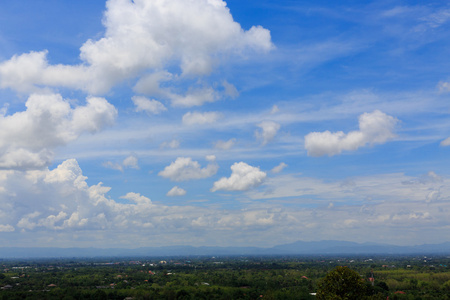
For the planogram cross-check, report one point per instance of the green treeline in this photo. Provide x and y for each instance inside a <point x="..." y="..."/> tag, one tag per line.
<point x="227" y="278"/>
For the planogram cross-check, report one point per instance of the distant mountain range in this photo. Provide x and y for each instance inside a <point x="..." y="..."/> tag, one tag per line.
<point x="296" y="248"/>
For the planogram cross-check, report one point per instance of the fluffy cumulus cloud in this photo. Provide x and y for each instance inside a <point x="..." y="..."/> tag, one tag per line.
<point x="243" y="177"/>
<point x="374" y="128"/>
<point x="198" y="118"/>
<point x="268" y="131"/>
<point x="27" y="138"/>
<point x="63" y="201"/>
<point x="176" y="191"/>
<point x="142" y="37"/>
<point x="184" y="168"/>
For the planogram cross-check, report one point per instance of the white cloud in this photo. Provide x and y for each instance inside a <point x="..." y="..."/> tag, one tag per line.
<point x="4" y="110"/>
<point x="279" y="168"/>
<point x="198" y="118"/>
<point x="243" y="177"/>
<point x="173" y="144"/>
<point x="443" y="86"/>
<point x="67" y="171"/>
<point x="274" y="109"/>
<point x="150" y="84"/>
<point x="94" y="116"/>
<point x="268" y="131"/>
<point x="184" y="168"/>
<point x="74" y="221"/>
<point x="374" y="128"/>
<point x="176" y="191"/>
<point x="230" y="90"/>
<point x="64" y="204"/>
<point x="27" y="138"/>
<point x="129" y="162"/>
<point x="446" y="142"/>
<point x="29" y="71"/>
<point x="434" y="20"/>
<point x="210" y="158"/>
<point x="142" y="35"/>
<point x="6" y="228"/>
<point x="194" y="97"/>
<point x="387" y="188"/>
<point x="111" y="165"/>
<point x="432" y="196"/>
<point x="25" y="159"/>
<point x="147" y="105"/>
<point x="225" y="145"/>
<point x="137" y="198"/>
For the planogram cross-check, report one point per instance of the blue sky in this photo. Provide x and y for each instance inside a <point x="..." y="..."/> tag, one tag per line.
<point x="245" y="123"/>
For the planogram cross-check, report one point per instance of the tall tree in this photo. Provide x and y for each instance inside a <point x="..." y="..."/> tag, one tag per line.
<point x="342" y="283"/>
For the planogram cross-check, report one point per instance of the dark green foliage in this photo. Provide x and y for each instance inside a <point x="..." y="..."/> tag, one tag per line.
<point x="382" y="285"/>
<point x="342" y="283"/>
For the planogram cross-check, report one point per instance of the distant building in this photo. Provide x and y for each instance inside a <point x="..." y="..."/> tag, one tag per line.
<point x="6" y="287"/>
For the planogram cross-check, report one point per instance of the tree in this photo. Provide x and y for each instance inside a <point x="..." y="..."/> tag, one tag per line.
<point x="341" y="283"/>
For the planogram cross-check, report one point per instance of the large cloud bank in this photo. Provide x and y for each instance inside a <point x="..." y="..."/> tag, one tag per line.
<point x="142" y="38"/>
<point x="58" y="206"/>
